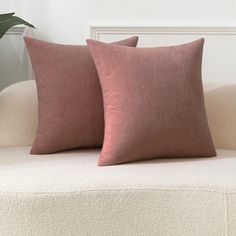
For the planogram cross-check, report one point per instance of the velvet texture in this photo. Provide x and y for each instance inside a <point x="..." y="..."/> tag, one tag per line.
<point x="70" y="112"/>
<point x="153" y="101"/>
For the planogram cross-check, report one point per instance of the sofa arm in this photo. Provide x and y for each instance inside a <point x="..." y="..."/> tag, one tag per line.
<point x="18" y="114"/>
<point x="221" y="112"/>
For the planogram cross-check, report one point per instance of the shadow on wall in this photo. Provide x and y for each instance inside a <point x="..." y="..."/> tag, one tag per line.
<point x="13" y="61"/>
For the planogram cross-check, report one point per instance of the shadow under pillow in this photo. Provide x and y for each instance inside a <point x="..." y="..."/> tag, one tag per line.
<point x="153" y="102"/>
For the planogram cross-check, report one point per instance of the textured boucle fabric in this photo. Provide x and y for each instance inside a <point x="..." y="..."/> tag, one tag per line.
<point x="221" y="112"/>
<point x="18" y="114"/>
<point x="67" y="194"/>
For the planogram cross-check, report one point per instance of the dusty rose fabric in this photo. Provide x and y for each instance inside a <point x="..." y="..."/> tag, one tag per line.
<point x="153" y="101"/>
<point x="70" y="112"/>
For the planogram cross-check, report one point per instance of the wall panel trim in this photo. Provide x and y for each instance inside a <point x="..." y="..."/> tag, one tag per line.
<point x="18" y="30"/>
<point x="97" y="31"/>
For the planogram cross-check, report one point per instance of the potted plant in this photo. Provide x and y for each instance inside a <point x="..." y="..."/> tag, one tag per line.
<point x="9" y="20"/>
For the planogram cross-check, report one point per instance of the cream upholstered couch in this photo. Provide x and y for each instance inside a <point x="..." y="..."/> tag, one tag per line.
<point x="67" y="194"/>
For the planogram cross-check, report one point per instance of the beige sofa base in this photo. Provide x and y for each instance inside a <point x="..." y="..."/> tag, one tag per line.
<point x="68" y="194"/>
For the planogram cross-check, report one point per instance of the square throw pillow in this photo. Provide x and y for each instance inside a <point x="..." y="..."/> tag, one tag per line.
<point x="153" y="102"/>
<point x="70" y="106"/>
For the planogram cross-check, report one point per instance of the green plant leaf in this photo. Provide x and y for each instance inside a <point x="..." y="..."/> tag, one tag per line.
<point x="10" y="21"/>
<point x="6" y="16"/>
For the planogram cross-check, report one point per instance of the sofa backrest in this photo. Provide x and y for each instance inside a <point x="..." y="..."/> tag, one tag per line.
<point x="220" y="101"/>
<point x="18" y="114"/>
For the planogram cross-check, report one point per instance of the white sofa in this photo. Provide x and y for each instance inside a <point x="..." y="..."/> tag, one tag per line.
<point x="67" y="194"/>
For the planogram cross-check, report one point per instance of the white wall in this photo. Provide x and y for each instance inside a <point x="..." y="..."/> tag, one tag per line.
<point x="67" y="21"/>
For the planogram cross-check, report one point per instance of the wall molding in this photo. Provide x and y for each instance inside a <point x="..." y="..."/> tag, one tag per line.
<point x="17" y="30"/>
<point x="97" y="31"/>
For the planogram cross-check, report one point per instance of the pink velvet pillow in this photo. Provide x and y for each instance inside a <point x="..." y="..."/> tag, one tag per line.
<point x="70" y="112"/>
<point x="153" y="101"/>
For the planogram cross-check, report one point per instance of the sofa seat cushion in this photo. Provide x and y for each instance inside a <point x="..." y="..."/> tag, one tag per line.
<point x="68" y="194"/>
